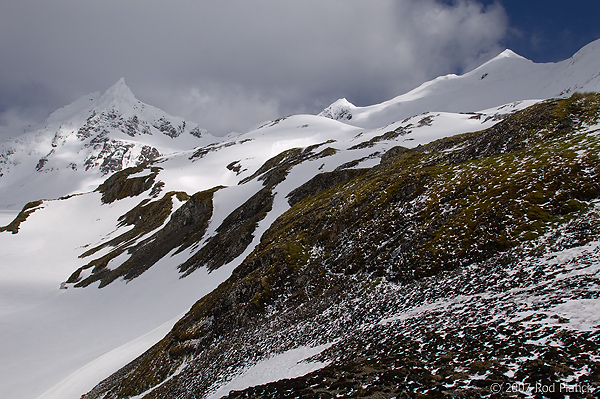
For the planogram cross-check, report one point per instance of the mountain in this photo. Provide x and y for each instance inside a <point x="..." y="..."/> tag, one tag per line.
<point x="444" y="243"/>
<point x="85" y="141"/>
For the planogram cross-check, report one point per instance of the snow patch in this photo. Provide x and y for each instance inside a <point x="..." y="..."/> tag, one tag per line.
<point x="290" y="364"/>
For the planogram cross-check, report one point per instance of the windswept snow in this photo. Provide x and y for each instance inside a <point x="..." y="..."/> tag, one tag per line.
<point x="47" y="334"/>
<point x="84" y="379"/>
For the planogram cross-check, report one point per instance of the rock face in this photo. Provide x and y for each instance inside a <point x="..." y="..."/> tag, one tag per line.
<point x="341" y="110"/>
<point x="185" y="227"/>
<point x="443" y="271"/>
<point x="233" y="236"/>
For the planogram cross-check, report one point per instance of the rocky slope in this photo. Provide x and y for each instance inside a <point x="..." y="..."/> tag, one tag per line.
<point x="448" y="270"/>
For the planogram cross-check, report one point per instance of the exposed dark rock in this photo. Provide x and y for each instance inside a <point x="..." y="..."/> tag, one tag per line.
<point x="41" y="163"/>
<point x="27" y="210"/>
<point x="391" y="135"/>
<point x="233" y="235"/>
<point x="112" y="119"/>
<point x="425" y="121"/>
<point x="322" y="182"/>
<point x="354" y="163"/>
<point x="164" y="126"/>
<point x="275" y="169"/>
<point x="339" y="113"/>
<point x="185" y="228"/>
<point x="235" y="166"/>
<point x="196" y="132"/>
<point x="111" y="154"/>
<point x="120" y="185"/>
<point x="393" y="153"/>
<point x="201" y="152"/>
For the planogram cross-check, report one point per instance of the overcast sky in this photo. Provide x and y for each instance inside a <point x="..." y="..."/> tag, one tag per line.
<point x="230" y="64"/>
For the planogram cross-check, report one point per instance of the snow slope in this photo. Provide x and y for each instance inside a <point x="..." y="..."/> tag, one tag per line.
<point x="289" y="364"/>
<point x="86" y="334"/>
<point x="46" y="333"/>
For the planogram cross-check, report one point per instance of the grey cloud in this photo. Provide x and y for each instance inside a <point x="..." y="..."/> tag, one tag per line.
<point x="230" y="64"/>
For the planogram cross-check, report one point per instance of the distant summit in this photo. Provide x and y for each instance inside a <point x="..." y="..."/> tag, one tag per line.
<point x="340" y="110"/>
<point x="119" y="92"/>
<point x="94" y="136"/>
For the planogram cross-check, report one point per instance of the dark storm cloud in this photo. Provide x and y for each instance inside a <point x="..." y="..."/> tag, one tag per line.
<point x="230" y="64"/>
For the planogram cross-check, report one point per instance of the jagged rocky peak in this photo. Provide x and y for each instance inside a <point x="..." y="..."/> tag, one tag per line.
<point x="119" y="109"/>
<point x="341" y="110"/>
<point x="99" y="134"/>
<point x="117" y="96"/>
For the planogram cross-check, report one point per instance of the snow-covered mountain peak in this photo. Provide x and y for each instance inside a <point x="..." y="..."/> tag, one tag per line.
<point x="508" y="53"/>
<point x="504" y="79"/>
<point x="506" y="60"/>
<point x="340" y="110"/>
<point x="96" y="135"/>
<point x="587" y="57"/>
<point x="119" y="93"/>
<point x="119" y="96"/>
<point x="119" y="89"/>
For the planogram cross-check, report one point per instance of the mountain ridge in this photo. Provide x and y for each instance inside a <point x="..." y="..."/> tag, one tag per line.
<point x="527" y="81"/>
